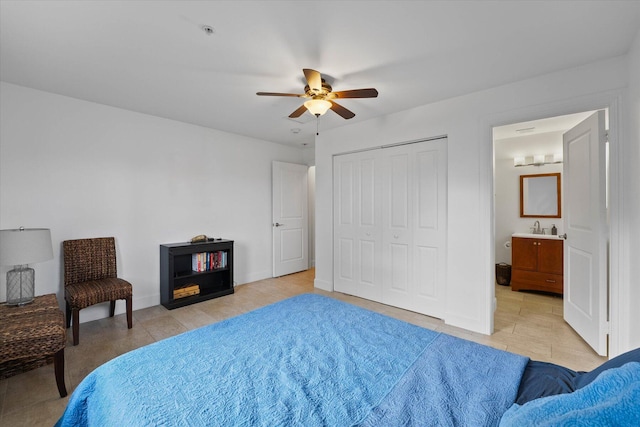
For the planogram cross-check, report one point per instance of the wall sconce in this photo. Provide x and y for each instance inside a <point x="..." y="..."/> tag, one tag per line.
<point x="537" y="160"/>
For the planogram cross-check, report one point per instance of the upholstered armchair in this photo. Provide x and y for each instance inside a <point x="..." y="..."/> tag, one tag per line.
<point x="90" y="277"/>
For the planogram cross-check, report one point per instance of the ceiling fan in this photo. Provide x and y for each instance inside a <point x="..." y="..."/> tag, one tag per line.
<point x="321" y="98"/>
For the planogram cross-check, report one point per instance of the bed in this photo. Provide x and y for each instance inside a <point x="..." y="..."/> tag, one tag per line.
<point x="315" y="361"/>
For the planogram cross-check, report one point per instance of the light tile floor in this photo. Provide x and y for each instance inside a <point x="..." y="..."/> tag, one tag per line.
<point x="525" y="323"/>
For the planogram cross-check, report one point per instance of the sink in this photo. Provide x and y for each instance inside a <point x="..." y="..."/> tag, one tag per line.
<point x="536" y="236"/>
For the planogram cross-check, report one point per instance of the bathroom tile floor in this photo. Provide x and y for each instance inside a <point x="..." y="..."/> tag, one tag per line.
<point x="525" y="323"/>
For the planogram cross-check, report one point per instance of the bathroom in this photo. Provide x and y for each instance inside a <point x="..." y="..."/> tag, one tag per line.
<point x="529" y="148"/>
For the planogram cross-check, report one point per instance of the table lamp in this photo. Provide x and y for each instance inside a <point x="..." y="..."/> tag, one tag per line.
<point x="20" y="247"/>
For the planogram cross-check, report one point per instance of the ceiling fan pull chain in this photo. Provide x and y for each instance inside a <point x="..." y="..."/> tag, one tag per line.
<point x="317" y="124"/>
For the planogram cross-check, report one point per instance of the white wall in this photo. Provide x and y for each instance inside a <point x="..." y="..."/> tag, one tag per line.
<point x="87" y="170"/>
<point x="312" y="216"/>
<point x="467" y="121"/>
<point x="507" y="191"/>
<point x="629" y="250"/>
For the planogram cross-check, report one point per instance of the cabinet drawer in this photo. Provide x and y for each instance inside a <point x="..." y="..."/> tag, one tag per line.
<point x="521" y="280"/>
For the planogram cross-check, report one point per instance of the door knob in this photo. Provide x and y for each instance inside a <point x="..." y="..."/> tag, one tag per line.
<point x="564" y="236"/>
<point x="277" y="224"/>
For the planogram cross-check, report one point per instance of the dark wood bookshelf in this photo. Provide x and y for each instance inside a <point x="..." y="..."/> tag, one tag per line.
<point x="177" y="274"/>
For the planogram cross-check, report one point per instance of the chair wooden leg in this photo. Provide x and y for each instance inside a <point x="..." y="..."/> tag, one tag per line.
<point x="112" y="308"/>
<point x="76" y="326"/>
<point x="129" y="313"/>
<point x="68" y="314"/>
<point x="58" y="366"/>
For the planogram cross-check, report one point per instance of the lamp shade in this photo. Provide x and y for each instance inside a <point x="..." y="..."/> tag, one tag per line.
<point x="317" y="107"/>
<point x="25" y="246"/>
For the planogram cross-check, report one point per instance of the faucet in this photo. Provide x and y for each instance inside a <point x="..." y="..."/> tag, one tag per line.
<point x="536" y="228"/>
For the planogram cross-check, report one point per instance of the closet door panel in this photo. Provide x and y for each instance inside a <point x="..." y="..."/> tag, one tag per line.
<point x="357" y="268"/>
<point x="345" y="257"/>
<point x="346" y="188"/>
<point x="399" y="258"/>
<point x="426" y="174"/>
<point x="368" y="197"/>
<point x="397" y="233"/>
<point x="344" y="225"/>
<point x="369" y="227"/>
<point x="430" y="227"/>
<point x="399" y="192"/>
<point x="367" y="262"/>
<point x="426" y="271"/>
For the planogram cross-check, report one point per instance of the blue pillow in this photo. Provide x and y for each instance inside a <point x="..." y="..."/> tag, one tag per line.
<point x="610" y="400"/>
<point x="584" y="378"/>
<point x="541" y="379"/>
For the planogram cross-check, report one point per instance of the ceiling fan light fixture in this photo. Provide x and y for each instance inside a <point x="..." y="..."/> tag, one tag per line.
<point x="320" y="97"/>
<point x="317" y="107"/>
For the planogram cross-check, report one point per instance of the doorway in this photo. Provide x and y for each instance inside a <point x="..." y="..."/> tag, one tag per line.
<point x="533" y="148"/>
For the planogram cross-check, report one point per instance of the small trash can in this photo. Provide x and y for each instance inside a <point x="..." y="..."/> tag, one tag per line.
<point x="503" y="274"/>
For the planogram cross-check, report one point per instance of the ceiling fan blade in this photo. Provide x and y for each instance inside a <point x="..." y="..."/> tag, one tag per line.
<point x="298" y="112"/>
<point x="281" y="94"/>
<point x="357" y="93"/>
<point x="341" y="111"/>
<point x="314" y="79"/>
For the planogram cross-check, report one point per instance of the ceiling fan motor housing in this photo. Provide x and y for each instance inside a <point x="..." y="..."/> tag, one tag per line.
<point x="326" y="89"/>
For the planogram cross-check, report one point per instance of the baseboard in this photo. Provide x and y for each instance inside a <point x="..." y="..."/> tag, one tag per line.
<point x="323" y="284"/>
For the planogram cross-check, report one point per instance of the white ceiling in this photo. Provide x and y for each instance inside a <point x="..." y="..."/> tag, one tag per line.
<point x="542" y="136"/>
<point x="153" y="56"/>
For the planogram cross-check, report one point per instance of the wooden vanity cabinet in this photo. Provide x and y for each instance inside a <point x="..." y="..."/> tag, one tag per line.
<point x="537" y="265"/>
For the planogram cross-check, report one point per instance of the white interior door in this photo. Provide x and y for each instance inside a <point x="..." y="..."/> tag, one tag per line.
<point x="585" y="249"/>
<point x="290" y="218"/>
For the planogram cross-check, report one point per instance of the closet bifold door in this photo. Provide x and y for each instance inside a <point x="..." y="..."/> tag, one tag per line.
<point x="390" y="225"/>
<point x="357" y="224"/>
<point x="414" y="227"/>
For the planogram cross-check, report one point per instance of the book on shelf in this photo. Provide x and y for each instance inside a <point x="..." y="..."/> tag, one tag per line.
<point x="208" y="261"/>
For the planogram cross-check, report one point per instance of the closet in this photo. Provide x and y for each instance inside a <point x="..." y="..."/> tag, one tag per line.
<point x="390" y="213"/>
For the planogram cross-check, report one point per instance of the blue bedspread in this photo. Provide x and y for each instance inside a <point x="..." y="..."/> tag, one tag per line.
<point x="454" y="383"/>
<point x="305" y="361"/>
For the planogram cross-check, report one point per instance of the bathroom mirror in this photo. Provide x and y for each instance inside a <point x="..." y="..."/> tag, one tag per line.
<point x="540" y="195"/>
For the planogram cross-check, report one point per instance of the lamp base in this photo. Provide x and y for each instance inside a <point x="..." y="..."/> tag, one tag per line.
<point x="20" y="285"/>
